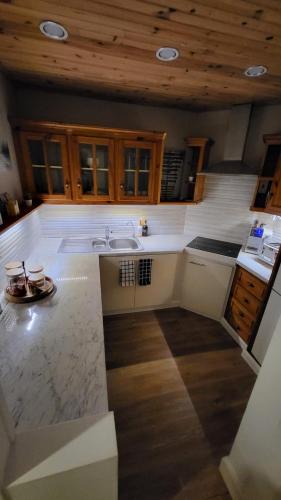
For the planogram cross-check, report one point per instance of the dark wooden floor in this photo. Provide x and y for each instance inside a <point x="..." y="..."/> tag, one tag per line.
<point x="178" y="387"/>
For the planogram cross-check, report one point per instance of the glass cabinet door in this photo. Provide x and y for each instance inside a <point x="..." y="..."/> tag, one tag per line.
<point x="46" y="165"/>
<point x="38" y="165"/>
<point x="136" y="162"/>
<point x="94" y="168"/>
<point x="55" y="165"/>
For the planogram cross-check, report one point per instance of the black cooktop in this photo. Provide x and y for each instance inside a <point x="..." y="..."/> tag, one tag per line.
<point x="216" y="246"/>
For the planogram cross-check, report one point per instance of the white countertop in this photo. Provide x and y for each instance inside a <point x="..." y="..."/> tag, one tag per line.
<point x="251" y="263"/>
<point x="170" y="243"/>
<point x="52" y="362"/>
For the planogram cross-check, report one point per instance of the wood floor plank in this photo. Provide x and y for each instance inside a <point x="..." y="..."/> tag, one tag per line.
<point x="178" y="387"/>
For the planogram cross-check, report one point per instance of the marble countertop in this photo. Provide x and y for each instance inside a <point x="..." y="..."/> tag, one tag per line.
<point x="52" y="362"/>
<point x="170" y="243"/>
<point x="251" y="263"/>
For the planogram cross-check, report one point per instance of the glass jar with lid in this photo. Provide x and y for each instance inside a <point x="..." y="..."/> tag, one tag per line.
<point x="15" y="264"/>
<point x="36" y="282"/>
<point x="16" y="283"/>
<point x="35" y="268"/>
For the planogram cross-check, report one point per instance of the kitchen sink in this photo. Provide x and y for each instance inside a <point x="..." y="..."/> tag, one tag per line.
<point x="124" y="244"/>
<point x="99" y="245"/>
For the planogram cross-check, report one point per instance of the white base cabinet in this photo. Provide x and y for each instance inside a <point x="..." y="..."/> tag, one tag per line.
<point x="114" y="297"/>
<point x="160" y="293"/>
<point x="205" y="286"/>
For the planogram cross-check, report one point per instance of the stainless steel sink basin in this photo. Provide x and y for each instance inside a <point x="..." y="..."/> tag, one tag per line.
<point x="99" y="243"/>
<point x="124" y="244"/>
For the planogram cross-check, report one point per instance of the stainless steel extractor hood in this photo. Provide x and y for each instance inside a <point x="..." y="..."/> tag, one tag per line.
<point x="232" y="160"/>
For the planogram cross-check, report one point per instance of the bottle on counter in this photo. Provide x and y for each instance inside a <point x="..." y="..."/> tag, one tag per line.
<point x="11" y="205"/>
<point x="145" y="228"/>
<point x="139" y="228"/>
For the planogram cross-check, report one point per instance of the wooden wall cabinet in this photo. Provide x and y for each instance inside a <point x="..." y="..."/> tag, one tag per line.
<point x="267" y="197"/>
<point x="45" y="165"/>
<point x="136" y="165"/>
<point x="65" y="163"/>
<point x="93" y="168"/>
<point x="245" y="302"/>
<point x="182" y="180"/>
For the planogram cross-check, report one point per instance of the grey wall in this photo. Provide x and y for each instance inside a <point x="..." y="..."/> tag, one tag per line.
<point x="214" y="124"/>
<point x="41" y="105"/>
<point x="9" y="176"/>
<point x="265" y="120"/>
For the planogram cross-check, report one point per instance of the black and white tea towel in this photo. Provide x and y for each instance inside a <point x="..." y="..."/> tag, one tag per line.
<point x="127" y="275"/>
<point x="144" y="272"/>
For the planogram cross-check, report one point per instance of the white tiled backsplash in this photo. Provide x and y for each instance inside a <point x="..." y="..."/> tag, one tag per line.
<point x="81" y="220"/>
<point x="18" y="241"/>
<point x="224" y="213"/>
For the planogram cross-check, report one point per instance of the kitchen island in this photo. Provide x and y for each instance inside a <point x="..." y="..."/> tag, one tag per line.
<point x="52" y="362"/>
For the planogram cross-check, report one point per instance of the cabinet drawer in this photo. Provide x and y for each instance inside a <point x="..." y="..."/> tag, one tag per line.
<point x="252" y="284"/>
<point x="243" y="330"/>
<point x="239" y="312"/>
<point x="251" y="303"/>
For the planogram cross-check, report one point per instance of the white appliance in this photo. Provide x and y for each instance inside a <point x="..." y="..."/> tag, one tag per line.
<point x="269" y="252"/>
<point x="269" y="321"/>
<point x="254" y="245"/>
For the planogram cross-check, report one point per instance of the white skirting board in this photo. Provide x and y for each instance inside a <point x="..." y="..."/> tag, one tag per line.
<point x="230" y="478"/>
<point x="251" y="361"/>
<point x="199" y="313"/>
<point x="142" y="309"/>
<point x="233" y="334"/>
<point x="245" y="354"/>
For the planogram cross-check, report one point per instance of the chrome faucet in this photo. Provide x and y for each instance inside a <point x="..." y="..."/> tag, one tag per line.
<point x="107" y="232"/>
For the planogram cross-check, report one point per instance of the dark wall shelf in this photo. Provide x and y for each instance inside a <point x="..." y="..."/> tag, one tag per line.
<point x="24" y="211"/>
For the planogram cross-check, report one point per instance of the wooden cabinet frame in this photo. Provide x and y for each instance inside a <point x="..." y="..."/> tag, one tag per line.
<point x="77" y="182"/>
<point x="113" y="137"/>
<point x="28" y="181"/>
<point x="203" y="144"/>
<point x="273" y="202"/>
<point x="120" y="196"/>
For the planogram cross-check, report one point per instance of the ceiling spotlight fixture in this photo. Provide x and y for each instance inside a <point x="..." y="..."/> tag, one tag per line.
<point x="254" y="71"/>
<point x="167" y="54"/>
<point x="53" y="30"/>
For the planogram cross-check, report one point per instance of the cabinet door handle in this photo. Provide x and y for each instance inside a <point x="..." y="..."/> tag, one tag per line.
<point x="242" y="315"/>
<point x="196" y="263"/>
<point x="79" y="184"/>
<point x="121" y="187"/>
<point x="251" y="285"/>
<point x="67" y="185"/>
<point x="246" y="301"/>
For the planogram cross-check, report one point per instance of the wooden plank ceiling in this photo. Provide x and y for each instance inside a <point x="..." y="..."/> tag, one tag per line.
<point x="111" y="49"/>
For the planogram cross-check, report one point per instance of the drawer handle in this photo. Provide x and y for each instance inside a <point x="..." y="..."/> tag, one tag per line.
<point x="251" y="285"/>
<point x="196" y="263"/>
<point x="242" y="315"/>
<point x="246" y="301"/>
<point x="237" y="328"/>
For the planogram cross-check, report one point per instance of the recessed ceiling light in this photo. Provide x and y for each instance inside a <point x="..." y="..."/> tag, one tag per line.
<point x="167" y="54"/>
<point x="254" y="71"/>
<point x="54" y="30"/>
